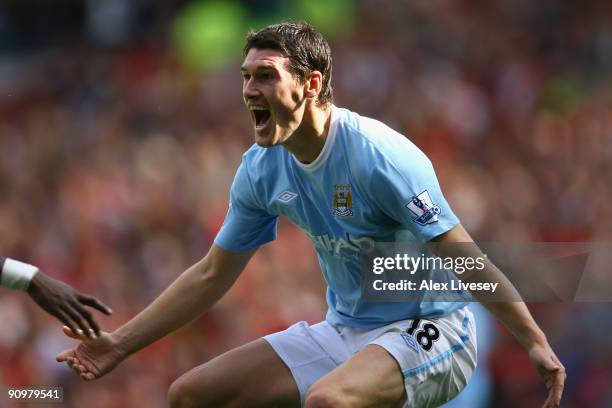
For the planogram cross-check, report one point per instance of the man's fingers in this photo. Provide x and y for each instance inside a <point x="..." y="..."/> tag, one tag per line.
<point x="556" y="360"/>
<point x="549" y="364"/>
<point x="77" y="318"/>
<point x="557" y="377"/>
<point x="552" y="401"/>
<point x="72" y="333"/>
<point x="70" y="362"/>
<point x="554" y="398"/>
<point x="555" y="384"/>
<point x="87" y="315"/>
<point x="64" y="319"/>
<point x="558" y="385"/>
<point x="88" y="376"/>
<point x="75" y="369"/>
<point x="63" y="356"/>
<point x="93" y="302"/>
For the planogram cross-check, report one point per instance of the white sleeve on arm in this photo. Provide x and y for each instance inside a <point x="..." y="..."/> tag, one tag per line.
<point x="247" y="224"/>
<point x="15" y="274"/>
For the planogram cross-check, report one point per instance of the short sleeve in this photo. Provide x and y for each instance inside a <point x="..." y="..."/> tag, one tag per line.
<point x="247" y="225"/>
<point x="409" y="192"/>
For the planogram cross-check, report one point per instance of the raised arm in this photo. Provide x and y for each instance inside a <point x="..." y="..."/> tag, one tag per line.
<point x="514" y="315"/>
<point x="190" y="295"/>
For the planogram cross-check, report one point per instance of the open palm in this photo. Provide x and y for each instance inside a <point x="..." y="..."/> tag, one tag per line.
<point x="93" y="357"/>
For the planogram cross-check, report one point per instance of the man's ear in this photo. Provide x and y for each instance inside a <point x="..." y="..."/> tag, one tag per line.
<point x="313" y="84"/>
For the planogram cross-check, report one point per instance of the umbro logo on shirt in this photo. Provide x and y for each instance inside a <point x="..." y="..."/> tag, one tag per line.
<point x="286" y="196"/>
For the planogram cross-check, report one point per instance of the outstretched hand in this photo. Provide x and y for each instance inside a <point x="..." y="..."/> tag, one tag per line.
<point x="69" y="306"/>
<point x="552" y="372"/>
<point x="93" y="357"/>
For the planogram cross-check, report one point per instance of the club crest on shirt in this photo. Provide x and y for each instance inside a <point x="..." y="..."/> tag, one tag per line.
<point x="343" y="201"/>
<point x="424" y="210"/>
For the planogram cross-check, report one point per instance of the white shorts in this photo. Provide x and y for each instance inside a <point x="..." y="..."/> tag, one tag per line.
<point x="437" y="357"/>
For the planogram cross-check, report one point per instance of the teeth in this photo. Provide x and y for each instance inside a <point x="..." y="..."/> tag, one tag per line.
<point x="257" y="108"/>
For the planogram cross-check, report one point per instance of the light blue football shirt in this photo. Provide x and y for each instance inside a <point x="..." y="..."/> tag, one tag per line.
<point x="368" y="184"/>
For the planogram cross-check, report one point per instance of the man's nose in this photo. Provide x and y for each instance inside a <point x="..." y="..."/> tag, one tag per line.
<point x="249" y="90"/>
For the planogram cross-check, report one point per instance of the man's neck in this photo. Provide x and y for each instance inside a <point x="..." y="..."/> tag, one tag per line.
<point x="308" y="141"/>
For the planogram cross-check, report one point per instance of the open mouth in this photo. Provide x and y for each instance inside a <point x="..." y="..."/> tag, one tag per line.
<point x="262" y="117"/>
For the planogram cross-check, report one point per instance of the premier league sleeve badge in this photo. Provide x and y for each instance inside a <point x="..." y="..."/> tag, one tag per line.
<point x="423" y="209"/>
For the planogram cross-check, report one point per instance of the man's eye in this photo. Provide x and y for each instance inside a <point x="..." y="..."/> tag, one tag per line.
<point x="267" y="76"/>
<point x="246" y="77"/>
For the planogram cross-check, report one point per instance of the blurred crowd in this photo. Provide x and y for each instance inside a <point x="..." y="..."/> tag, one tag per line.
<point x="116" y="163"/>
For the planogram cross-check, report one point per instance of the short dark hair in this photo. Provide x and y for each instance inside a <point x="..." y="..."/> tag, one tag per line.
<point x="305" y="48"/>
